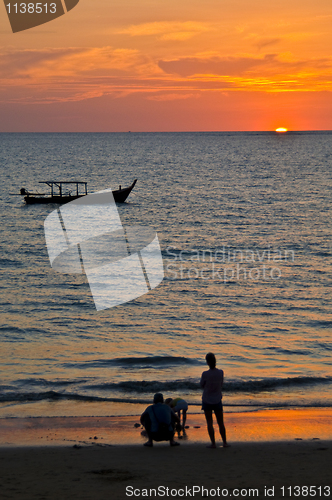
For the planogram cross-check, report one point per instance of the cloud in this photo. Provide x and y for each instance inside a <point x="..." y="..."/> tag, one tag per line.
<point x="19" y="63"/>
<point x="79" y="74"/>
<point x="271" y="73"/>
<point x="71" y="74"/>
<point x="241" y="66"/>
<point x="168" y="30"/>
<point x="189" y="66"/>
<point x="44" y="64"/>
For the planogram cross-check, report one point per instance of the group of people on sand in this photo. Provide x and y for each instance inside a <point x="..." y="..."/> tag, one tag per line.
<point x="161" y="418"/>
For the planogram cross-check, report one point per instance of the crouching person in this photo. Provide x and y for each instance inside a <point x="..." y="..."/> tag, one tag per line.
<point x="159" y="421"/>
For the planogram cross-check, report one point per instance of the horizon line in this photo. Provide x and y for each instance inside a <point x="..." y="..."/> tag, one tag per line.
<point x="168" y="132"/>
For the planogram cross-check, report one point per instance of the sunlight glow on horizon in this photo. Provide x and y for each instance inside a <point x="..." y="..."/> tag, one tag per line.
<point x="281" y="129"/>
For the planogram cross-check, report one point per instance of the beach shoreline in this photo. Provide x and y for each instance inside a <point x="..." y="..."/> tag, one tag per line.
<point x="272" y="451"/>
<point x="254" y="426"/>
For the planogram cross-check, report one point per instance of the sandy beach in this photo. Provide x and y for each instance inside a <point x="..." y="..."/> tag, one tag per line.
<point x="272" y="452"/>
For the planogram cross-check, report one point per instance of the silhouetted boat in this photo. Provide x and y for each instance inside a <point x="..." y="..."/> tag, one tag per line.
<point x="120" y="195"/>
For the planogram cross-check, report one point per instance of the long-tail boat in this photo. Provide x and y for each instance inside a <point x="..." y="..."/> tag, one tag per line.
<point x="60" y="196"/>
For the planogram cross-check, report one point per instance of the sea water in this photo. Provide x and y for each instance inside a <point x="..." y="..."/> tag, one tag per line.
<point x="244" y="225"/>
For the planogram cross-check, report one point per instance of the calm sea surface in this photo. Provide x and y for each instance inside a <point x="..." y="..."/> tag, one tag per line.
<point x="244" y="223"/>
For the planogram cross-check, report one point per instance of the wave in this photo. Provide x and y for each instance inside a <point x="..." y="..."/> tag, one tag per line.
<point x="4" y="262"/>
<point x="147" y="361"/>
<point x="27" y="397"/>
<point x="321" y="323"/>
<point x="229" y="386"/>
<point x="53" y="396"/>
<point x="273" y="383"/>
<point x="156" y="360"/>
<point x="149" y="386"/>
<point x="134" y="389"/>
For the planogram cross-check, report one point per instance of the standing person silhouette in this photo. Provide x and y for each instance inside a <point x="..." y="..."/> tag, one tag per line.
<point x="211" y="383"/>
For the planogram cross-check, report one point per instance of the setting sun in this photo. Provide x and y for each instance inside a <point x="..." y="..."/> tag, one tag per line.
<point x="281" y="129"/>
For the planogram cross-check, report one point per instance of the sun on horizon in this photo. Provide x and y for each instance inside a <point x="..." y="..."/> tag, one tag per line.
<point x="281" y="129"/>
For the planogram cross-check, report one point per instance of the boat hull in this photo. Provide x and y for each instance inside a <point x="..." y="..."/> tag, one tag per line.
<point x="31" y="200"/>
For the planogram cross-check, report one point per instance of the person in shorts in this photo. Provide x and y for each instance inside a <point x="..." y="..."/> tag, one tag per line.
<point x="211" y="383"/>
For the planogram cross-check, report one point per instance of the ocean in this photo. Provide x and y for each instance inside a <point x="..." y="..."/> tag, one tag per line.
<point x="244" y="225"/>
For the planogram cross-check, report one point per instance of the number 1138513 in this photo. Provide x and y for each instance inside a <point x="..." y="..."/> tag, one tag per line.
<point x="305" y="491"/>
<point x="31" y="8"/>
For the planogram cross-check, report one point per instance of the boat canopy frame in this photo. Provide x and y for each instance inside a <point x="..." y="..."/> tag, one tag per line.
<point x="58" y="184"/>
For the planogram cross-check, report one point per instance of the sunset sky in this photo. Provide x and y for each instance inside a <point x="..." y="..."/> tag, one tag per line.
<point x="144" y="65"/>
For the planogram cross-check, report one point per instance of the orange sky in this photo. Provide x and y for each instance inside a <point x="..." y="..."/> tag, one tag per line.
<point x="170" y="66"/>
